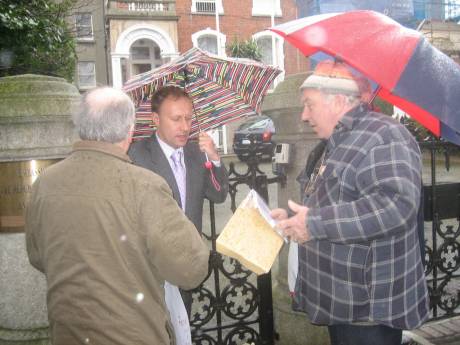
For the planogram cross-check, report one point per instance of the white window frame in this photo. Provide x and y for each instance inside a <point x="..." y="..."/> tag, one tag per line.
<point x="265" y="8"/>
<point x="279" y="46"/>
<point x="130" y="35"/>
<point x="210" y="32"/>
<point x="152" y="60"/>
<point x="220" y="7"/>
<point x="87" y="86"/>
<point x="84" y="38"/>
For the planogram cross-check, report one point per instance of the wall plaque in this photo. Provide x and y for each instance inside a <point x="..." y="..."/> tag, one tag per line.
<point x="16" y="179"/>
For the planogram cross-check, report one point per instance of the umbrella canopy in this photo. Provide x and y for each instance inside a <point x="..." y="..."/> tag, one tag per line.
<point x="410" y="72"/>
<point x="222" y="89"/>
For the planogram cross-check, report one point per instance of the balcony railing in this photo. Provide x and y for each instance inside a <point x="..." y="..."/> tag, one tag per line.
<point x="145" y="6"/>
<point x="205" y="6"/>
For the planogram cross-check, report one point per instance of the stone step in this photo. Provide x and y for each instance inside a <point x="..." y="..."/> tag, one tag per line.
<point x="441" y="332"/>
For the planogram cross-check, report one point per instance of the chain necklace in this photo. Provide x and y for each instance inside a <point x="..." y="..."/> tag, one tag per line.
<point x="317" y="171"/>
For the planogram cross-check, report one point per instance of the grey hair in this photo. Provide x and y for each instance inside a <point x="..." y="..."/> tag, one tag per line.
<point x="351" y="100"/>
<point x="105" y="114"/>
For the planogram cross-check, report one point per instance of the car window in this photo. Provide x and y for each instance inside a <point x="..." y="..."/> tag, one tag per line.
<point x="248" y="124"/>
<point x="259" y="124"/>
<point x="271" y="126"/>
<point x="256" y="123"/>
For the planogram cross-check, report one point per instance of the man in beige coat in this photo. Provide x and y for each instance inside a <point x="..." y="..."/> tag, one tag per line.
<point x="107" y="234"/>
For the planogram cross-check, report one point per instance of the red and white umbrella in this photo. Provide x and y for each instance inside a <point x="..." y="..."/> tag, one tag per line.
<point x="410" y="72"/>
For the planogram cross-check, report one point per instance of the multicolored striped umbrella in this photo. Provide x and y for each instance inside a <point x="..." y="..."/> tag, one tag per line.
<point x="409" y="71"/>
<point x="222" y="89"/>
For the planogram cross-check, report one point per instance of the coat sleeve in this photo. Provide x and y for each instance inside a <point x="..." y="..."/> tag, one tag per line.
<point x="221" y="175"/>
<point x="174" y="246"/>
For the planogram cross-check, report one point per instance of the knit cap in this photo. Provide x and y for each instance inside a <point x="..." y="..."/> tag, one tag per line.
<point x="333" y="77"/>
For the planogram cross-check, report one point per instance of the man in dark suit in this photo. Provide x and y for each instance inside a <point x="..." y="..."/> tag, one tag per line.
<point x="172" y="113"/>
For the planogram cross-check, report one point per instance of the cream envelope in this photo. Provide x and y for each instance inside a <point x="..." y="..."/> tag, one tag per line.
<point x="250" y="235"/>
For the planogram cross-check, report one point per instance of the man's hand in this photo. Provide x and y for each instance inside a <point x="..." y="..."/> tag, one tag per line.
<point x="279" y="214"/>
<point x="295" y="227"/>
<point x="207" y="145"/>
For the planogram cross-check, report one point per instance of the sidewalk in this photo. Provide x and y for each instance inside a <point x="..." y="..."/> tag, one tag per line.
<point x="442" y="332"/>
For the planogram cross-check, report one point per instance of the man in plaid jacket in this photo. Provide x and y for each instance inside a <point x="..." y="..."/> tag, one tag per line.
<point x="360" y="270"/>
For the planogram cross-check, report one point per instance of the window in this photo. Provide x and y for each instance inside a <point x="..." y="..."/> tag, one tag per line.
<point x="140" y="53"/>
<point x="207" y="41"/>
<point x="144" y="55"/>
<point x="264" y="40"/>
<point x="266" y="7"/>
<point x="207" y="6"/>
<point x="265" y="45"/>
<point x="84" y="25"/>
<point x="141" y="68"/>
<point x="86" y="74"/>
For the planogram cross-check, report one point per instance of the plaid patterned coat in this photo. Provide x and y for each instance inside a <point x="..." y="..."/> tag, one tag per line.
<point x="363" y="263"/>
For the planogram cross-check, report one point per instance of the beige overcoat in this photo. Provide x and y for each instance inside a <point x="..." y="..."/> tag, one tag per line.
<point x="107" y="234"/>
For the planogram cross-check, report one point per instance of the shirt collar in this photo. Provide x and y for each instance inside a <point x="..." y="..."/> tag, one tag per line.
<point x="350" y="116"/>
<point x="167" y="149"/>
<point x="345" y="125"/>
<point x="103" y="147"/>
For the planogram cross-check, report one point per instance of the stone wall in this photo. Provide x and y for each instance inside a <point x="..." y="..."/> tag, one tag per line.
<point x="35" y="132"/>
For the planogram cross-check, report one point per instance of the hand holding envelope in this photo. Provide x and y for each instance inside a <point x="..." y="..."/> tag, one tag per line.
<point x="294" y="227"/>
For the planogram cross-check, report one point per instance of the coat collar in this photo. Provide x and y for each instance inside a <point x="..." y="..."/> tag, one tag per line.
<point x="103" y="147"/>
<point x="345" y="125"/>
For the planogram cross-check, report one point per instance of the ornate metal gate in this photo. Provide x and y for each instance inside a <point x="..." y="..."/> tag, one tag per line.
<point x="442" y="250"/>
<point x="233" y="306"/>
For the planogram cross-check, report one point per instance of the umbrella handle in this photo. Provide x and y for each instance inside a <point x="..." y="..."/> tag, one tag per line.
<point x="214" y="181"/>
<point x="208" y="166"/>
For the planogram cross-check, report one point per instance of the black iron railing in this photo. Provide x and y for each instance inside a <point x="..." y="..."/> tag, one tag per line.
<point x="442" y="248"/>
<point x="233" y="306"/>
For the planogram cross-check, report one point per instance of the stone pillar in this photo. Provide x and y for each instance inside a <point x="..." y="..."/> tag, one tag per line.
<point x="117" y="80"/>
<point x="284" y="107"/>
<point x="35" y="132"/>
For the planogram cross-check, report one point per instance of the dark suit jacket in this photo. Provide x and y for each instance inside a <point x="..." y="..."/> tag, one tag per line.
<point x="148" y="154"/>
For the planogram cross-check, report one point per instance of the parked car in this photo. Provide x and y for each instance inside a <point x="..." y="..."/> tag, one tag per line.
<point x="253" y="138"/>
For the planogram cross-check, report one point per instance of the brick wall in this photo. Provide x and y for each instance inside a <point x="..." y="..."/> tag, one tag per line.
<point x="238" y="22"/>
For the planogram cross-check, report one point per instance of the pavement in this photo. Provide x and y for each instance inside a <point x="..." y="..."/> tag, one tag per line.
<point x="442" y="332"/>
